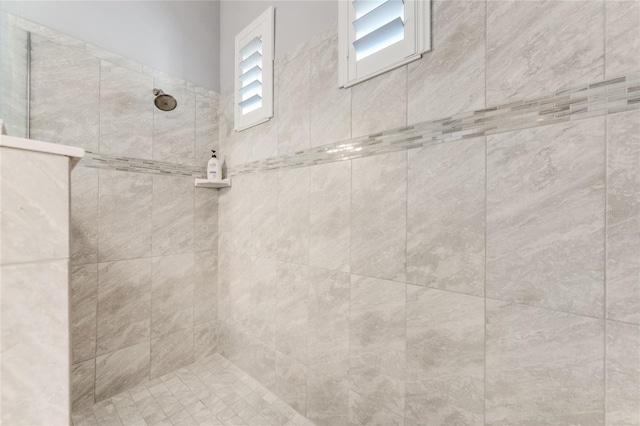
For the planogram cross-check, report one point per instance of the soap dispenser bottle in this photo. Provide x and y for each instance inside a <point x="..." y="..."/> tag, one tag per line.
<point x="213" y="168"/>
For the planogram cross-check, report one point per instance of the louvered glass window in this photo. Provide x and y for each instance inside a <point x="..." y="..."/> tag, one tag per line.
<point x="251" y="76"/>
<point x="254" y="72"/>
<point x="378" y="24"/>
<point x="379" y="35"/>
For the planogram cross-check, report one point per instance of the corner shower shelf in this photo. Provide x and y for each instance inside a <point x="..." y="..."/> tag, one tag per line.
<point x="205" y="183"/>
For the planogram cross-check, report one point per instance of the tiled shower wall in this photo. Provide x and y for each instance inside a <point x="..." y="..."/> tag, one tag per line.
<point x="143" y="245"/>
<point x="492" y="280"/>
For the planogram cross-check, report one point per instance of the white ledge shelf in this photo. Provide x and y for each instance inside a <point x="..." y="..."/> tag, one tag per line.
<point x="74" y="153"/>
<point x="205" y="183"/>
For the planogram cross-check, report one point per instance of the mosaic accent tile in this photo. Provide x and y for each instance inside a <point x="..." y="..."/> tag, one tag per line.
<point x="574" y="103"/>
<point x="137" y="165"/>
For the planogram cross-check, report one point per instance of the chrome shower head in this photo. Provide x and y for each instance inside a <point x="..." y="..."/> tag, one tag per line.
<point x="163" y="101"/>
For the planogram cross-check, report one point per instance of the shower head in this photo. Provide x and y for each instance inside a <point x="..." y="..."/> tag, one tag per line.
<point x="163" y="101"/>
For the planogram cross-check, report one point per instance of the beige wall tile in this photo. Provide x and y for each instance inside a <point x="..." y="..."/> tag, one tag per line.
<point x="292" y="311"/>
<point x="622" y="374"/>
<point x="330" y="215"/>
<point x="327" y="401"/>
<point x="205" y="234"/>
<point x="170" y="352"/>
<point x="293" y="114"/>
<point x="35" y="343"/>
<point x="239" y="284"/>
<point x="172" y="294"/>
<point x="529" y="56"/>
<point x="445" y="357"/>
<point x="263" y="300"/>
<point x="64" y="94"/>
<point x="328" y="323"/>
<point x="264" y="364"/>
<point x="543" y="366"/>
<point x="234" y="209"/>
<point x="125" y="212"/>
<point x="623" y="217"/>
<point x="445" y="216"/>
<point x="454" y="69"/>
<point x="224" y="339"/>
<point x="124" y="304"/>
<point x="82" y="316"/>
<point x="207" y="132"/>
<point x="545" y="227"/>
<point x="126" y="111"/>
<point x="34" y="189"/>
<point x="622" y="37"/>
<point x="380" y="103"/>
<point x="291" y="382"/>
<point x="293" y="215"/>
<point x="205" y="287"/>
<point x="330" y="114"/>
<point x="263" y="138"/>
<point x="363" y="412"/>
<point x="84" y="216"/>
<point x="264" y="214"/>
<point x="205" y="339"/>
<point x="224" y="285"/>
<point x="236" y="346"/>
<point x="82" y="385"/>
<point x="122" y="370"/>
<point x="377" y="341"/>
<point x="173" y="215"/>
<point x="378" y="216"/>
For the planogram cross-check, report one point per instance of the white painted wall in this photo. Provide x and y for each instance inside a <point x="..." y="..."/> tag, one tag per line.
<point x="296" y="22"/>
<point x="177" y="37"/>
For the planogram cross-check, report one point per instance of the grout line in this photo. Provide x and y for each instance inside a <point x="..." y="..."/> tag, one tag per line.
<point x="486" y="204"/>
<point x="604" y="45"/>
<point x="486" y="195"/>
<point x="606" y="248"/>
<point x="606" y="223"/>
<point x="40" y="262"/>
<point x="349" y="322"/>
<point x="465" y="294"/>
<point x="28" y="94"/>
<point x="406" y="277"/>
<point x="404" y="370"/>
<point x="95" y="354"/>
<point x="151" y="289"/>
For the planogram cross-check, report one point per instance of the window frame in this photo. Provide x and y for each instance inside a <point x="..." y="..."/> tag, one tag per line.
<point x="417" y="41"/>
<point x="263" y="26"/>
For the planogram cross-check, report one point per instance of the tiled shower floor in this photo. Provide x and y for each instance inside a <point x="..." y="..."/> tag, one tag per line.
<point x="212" y="391"/>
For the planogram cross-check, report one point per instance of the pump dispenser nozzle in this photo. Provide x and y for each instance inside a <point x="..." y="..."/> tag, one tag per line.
<point x="213" y="168"/>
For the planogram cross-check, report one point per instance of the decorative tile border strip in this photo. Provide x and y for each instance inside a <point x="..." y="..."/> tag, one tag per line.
<point x="579" y="102"/>
<point x="138" y="165"/>
<point x="576" y="103"/>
